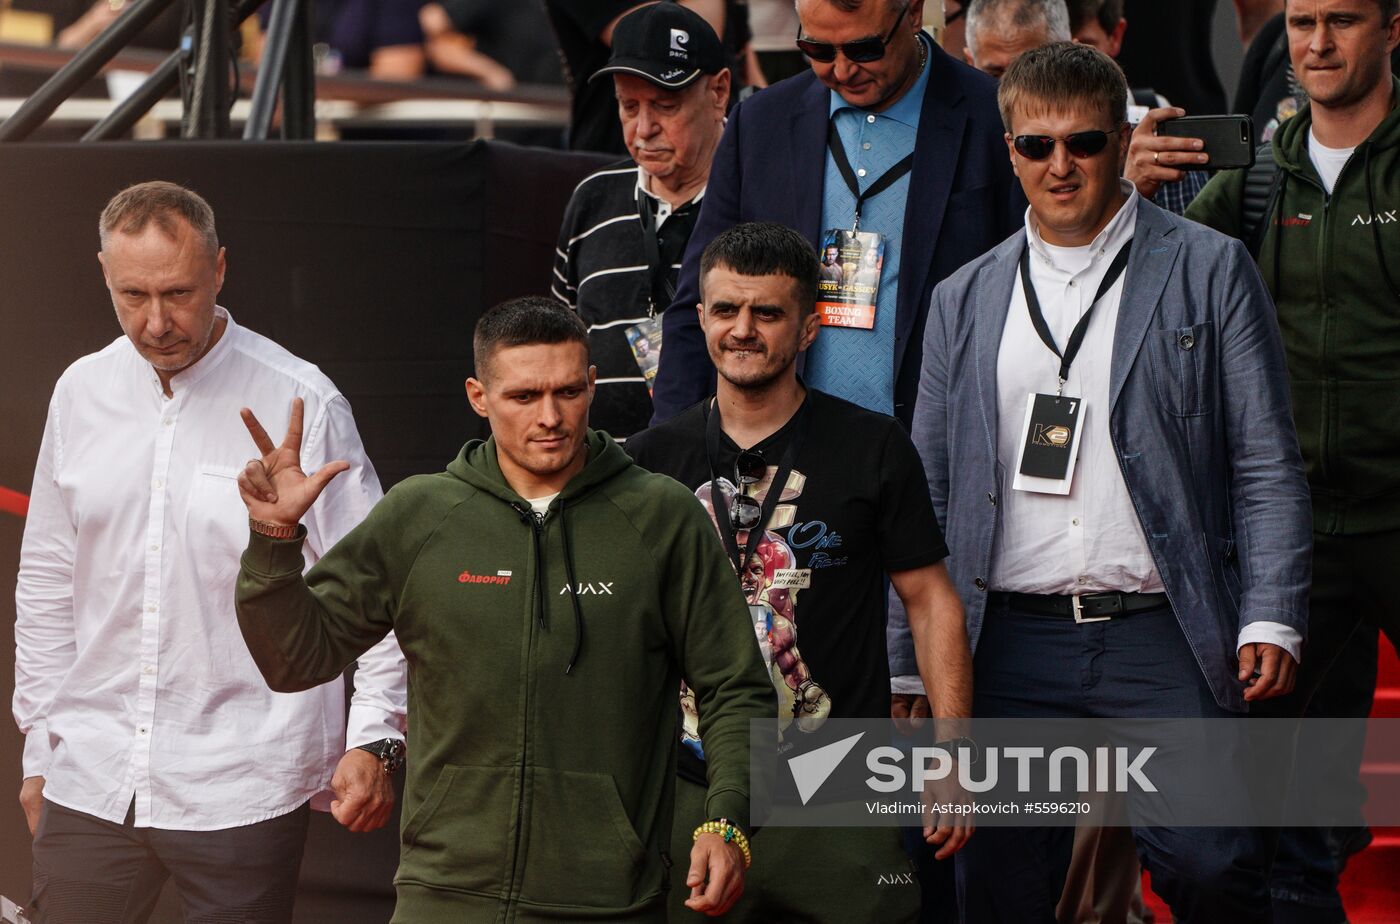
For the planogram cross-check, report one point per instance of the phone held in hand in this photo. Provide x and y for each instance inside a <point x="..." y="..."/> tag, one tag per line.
<point x="1229" y="139"/>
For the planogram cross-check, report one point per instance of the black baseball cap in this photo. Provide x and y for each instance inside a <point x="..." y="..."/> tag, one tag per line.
<point x="665" y="43"/>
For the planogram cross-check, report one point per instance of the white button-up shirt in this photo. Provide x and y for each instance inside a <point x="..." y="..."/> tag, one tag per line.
<point x="1090" y="540"/>
<point x="132" y="680"/>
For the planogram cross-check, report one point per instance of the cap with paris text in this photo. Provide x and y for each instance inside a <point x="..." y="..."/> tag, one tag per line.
<point x="665" y="43"/>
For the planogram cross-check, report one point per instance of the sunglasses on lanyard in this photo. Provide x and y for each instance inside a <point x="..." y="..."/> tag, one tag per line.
<point x="1079" y="144"/>
<point x="860" y="52"/>
<point x="749" y="469"/>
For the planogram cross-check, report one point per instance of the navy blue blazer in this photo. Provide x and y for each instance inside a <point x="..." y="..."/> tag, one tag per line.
<point x="770" y="166"/>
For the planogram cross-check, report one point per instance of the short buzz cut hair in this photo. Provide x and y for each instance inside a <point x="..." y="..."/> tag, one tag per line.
<point x="522" y="322"/>
<point x="1018" y="15"/>
<point x="1058" y="76"/>
<point x="765" y="248"/>
<point x="1388" y="8"/>
<point x="1109" y="13"/>
<point x="159" y="201"/>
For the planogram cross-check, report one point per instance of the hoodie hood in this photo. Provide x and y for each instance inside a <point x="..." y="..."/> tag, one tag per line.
<point x="477" y="464"/>
<point x="1291" y="144"/>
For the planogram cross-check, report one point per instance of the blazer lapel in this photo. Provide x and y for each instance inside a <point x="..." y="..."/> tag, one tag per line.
<point x="942" y="123"/>
<point x="806" y="159"/>
<point x="991" y="297"/>
<point x="1154" y="253"/>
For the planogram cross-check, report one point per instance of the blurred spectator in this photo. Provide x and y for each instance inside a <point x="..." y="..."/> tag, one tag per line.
<point x="500" y="44"/>
<point x="383" y="37"/>
<point x="584" y="31"/>
<point x="954" y="26"/>
<point x="774" y="26"/>
<point x="998" y="31"/>
<point x="78" y="23"/>
<point x="1251" y="15"/>
<point x="1101" y="23"/>
<point x="1169" y="49"/>
<point x="627" y="225"/>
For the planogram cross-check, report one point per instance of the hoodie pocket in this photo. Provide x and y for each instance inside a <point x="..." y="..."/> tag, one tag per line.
<point x="458" y="836"/>
<point x="1183" y="368"/>
<point x="582" y="848"/>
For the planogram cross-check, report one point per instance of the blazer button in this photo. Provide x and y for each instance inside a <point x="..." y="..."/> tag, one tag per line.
<point x="979" y="584"/>
<point x="1187" y="341"/>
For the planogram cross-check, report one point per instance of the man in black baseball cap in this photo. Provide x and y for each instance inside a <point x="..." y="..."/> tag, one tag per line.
<point x="627" y="226"/>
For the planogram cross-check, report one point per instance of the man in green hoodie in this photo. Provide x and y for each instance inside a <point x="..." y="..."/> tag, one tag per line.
<point x="548" y="596"/>
<point x="1328" y="246"/>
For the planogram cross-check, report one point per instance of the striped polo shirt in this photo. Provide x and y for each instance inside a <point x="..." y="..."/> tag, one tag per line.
<point x="601" y="271"/>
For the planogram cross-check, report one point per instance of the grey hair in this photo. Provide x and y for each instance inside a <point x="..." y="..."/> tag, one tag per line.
<point x="1007" y="15"/>
<point x="158" y="201"/>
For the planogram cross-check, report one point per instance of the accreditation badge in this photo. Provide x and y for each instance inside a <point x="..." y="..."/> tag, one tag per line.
<point x="645" y="340"/>
<point x="849" y="278"/>
<point x="1049" y="444"/>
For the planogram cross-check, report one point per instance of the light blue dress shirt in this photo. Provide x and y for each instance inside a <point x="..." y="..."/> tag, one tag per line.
<point x="856" y="364"/>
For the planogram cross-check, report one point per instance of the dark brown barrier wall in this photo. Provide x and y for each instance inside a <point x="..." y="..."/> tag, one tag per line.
<point x="371" y="260"/>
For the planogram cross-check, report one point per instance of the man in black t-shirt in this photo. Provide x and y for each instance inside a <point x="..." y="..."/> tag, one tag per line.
<point x="853" y="508"/>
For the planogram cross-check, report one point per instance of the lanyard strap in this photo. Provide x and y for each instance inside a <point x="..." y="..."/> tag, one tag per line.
<point x="770" y="501"/>
<point x="1076" y="337"/>
<point x="843" y="167"/>
<point x="659" y="275"/>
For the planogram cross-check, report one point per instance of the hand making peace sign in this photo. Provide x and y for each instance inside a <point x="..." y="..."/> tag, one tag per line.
<point x="274" y="487"/>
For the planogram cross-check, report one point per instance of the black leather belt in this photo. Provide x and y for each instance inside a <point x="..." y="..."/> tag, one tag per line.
<point x="1082" y="607"/>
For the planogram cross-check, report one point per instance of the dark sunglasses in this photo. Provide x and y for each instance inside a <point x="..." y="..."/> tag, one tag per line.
<point x="1079" y="144"/>
<point x="749" y="468"/>
<point x="861" y="52"/>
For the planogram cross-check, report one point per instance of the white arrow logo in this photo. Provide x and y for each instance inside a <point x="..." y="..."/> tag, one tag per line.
<point x="811" y="770"/>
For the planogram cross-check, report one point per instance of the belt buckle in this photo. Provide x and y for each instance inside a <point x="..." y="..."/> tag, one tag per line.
<point x="1079" y="616"/>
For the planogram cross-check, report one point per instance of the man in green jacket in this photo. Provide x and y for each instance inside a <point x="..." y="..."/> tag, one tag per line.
<point x="1328" y="246"/>
<point x="548" y="596"/>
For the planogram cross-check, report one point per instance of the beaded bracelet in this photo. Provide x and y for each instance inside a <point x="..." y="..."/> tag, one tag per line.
<point x="731" y="834"/>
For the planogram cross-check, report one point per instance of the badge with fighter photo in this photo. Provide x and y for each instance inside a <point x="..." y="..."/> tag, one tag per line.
<point x="849" y="279"/>
<point x="1049" y="444"/>
<point x="645" y="341"/>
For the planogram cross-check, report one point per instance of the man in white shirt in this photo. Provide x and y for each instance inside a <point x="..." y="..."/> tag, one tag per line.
<point x="1103" y="416"/>
<point x="153" y="748"/>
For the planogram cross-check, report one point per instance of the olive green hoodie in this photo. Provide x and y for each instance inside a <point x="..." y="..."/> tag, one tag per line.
<point x="544" y="658"/>
<point x="1333" y="266"/>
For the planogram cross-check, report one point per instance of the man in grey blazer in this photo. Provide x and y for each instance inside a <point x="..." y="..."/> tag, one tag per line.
<point x="1103" y="415"/>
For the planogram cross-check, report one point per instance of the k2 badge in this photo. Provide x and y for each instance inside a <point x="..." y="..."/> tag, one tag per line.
<point x="1049" y="444"/>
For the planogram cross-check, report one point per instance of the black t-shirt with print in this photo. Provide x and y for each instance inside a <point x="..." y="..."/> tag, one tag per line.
<point x="856" y="507"/>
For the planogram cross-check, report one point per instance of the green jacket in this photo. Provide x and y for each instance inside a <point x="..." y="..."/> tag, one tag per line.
<point x="1333" y="264"/>
<point x="544" y="660"/>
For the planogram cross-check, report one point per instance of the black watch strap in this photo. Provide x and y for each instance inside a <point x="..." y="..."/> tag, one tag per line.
<point x="390" y="751"/>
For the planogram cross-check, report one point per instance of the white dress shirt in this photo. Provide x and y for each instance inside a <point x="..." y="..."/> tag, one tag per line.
<point x="1090" y="540"/>
<point x="132" y="680"/>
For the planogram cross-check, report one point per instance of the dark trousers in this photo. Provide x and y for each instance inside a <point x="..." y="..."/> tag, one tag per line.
<point x="90" y="871"/>
<point x="1034" y="666"/>
<point x="1351" y="603"/>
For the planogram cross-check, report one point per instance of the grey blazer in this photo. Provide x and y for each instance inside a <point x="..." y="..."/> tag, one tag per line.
<point x="1199" y="419"/>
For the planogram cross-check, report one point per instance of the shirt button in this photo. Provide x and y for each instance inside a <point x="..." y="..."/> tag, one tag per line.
<point x="155" y="546"/>
<point x="148" y="669"/>
<point x="1074" y="522"/>
<point x="860" y="172"/>
<point x="1187" y="341"/>
<point x="865" y="146"/>
<point x="156" y="483"/>
<point x="1084" y="579"/>
<point x="870" y="119"/>
<point x="140" y="731"/>
<point x="979" y="584"/>
<point x="150" y="609"/>
<point x="168" y="421"/>
<point x="1072" y="283"/>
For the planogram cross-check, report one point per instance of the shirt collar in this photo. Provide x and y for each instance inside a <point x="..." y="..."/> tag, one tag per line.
<point x="1114" y="235"/>
<point x="907" y="108"/>
<point x="664" y="208"/>
<point x="190" y="376"/>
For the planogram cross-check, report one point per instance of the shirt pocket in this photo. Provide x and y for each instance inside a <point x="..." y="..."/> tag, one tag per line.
<point x="216" y="517"/>
<point x="1184" y="368"/>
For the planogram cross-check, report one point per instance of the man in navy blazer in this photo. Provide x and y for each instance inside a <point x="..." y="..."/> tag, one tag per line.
<point x="774" y="164"/>
<point x="1150" y="556"/>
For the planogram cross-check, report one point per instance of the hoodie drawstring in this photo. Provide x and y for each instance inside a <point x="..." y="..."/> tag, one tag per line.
<point x="573" y="590"/>
<point x="1375" y="227"/>
<point x="528" y="517"/>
